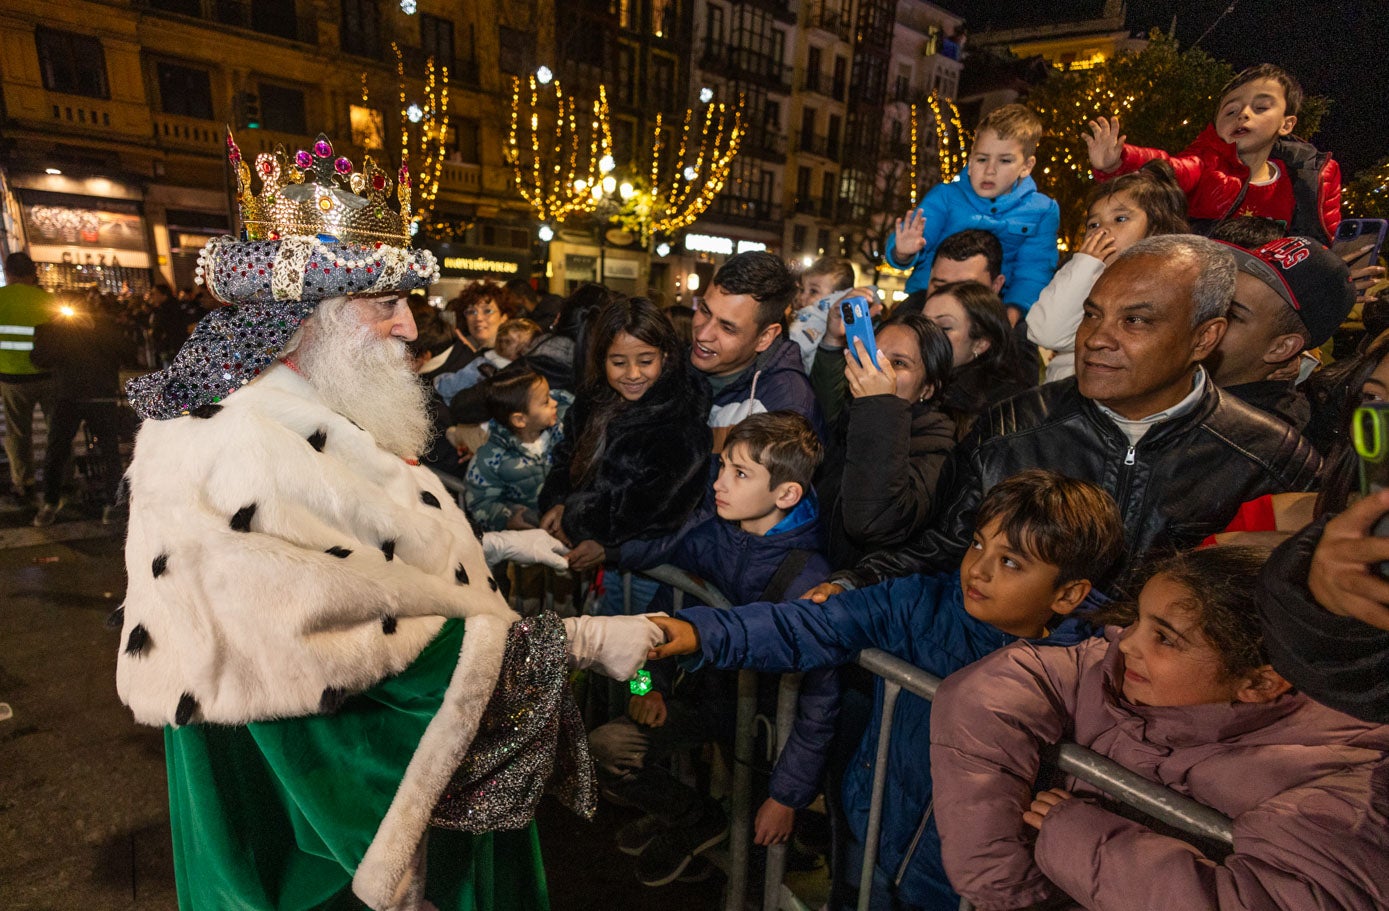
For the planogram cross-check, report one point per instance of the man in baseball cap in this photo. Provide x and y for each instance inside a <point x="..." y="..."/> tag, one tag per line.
<point x="1290" y="295"/>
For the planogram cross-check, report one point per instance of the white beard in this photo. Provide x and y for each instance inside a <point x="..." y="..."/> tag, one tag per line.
<point x="367" y="380"/>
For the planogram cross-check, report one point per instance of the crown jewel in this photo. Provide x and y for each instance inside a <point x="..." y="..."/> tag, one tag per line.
<point x="315" y="193"/>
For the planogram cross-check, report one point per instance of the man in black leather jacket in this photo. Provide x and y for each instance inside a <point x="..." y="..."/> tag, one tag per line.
<point x="1141" y="418"/>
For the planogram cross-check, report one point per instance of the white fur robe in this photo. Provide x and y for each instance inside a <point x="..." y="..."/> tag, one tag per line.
<point x="278" y="560"/>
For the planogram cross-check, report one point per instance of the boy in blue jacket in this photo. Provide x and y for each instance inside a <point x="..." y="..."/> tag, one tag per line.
<point x="1039" y="540"/>
<point x="764" y="543"/>
<point x="994" y="192"/>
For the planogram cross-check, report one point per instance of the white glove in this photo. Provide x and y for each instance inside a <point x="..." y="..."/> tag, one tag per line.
<point x="530" y="546"/>
<point x="614" y="646"/>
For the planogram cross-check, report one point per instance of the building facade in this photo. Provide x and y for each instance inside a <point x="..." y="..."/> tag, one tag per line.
<point x="114" y="116"/>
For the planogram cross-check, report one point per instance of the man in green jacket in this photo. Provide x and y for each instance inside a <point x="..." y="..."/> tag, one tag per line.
<point x="23" y="305"/>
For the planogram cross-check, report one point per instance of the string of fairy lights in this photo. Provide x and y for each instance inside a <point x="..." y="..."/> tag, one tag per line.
<point x="545" y="147"/>
<point x="427" y="143"/>
<point x="692" y="183"/>
<point x="554" y="176"/>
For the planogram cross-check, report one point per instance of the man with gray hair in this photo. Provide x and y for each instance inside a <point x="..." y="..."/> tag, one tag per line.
<point x="1141" y="418"/>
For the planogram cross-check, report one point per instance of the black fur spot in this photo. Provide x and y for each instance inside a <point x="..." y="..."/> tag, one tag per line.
<point x="123" y="492"/>
<point x="474" y="524"/>
<point x="491" y="583"/>
<point x="138" y="640"/>
<point x="318" y="439"/>
<point x="428" y="499"/>
<point x="388" y="548"/>
<point x="339" y="552"/>
<point x="160" y="564"/>
<point x="461" y="575"/>
<point x="187" y="707"/>
<point x="116" y="619"/>
<point x="388" y="625"/>
<point x="241" y="521"/>
<point x="332" y="700"/>
<point x="206" y="411"/>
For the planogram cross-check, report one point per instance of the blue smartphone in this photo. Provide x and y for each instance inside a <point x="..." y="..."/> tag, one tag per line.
<point x="858" y="324"/>
<point x="1361" y="236"/>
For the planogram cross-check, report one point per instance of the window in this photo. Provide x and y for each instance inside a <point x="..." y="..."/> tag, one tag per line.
<point x="436" y="39"/>
<point x="282" y="109"/>
<point x="184" y="90"/>
<point x="812" y="69"/>
<point x="361" y="28"/>
<point x="626" y="14"/>
<point x="626" y="75"/>
<point x="625" y="141"/>
<point x="841" y="69"/>
<point x="827" y="185"/>
<point x="662" y="79"/>
<point x="74" y="64"/>
<point x="275" y="17"/>
<point x="802" y="182"/>
<point x="771" y="115"/>
<point x="368" y="127"/>
<point x="822" y="241"/>
<point x="466" y="145"/>
<point x="798" y="233"/>
<point x="713" y="31"/>
<point x="807" y="128"/>
<point x="186" y="7"/>
<point x="663" y="17"/>
<point x="766" y="187"/>
<point x="517" y="51"/>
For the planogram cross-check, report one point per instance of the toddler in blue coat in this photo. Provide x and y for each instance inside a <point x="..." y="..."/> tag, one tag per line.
<point x="764" y="543"/>
<point x="1039" y="540"/>
<point x="994" y="192"/>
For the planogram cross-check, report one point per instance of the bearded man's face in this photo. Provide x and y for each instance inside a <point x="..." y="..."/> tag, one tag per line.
<point x="354" y="354"/>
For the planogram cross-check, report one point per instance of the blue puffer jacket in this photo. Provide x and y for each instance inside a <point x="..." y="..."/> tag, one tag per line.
<point x="1023" y="219"/>
<point x="775" y="381"/>
<point x="741" y="566"/>
<point x="920" y="619"/>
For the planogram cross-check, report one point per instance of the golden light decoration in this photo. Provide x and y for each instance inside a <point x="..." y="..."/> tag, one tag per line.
<point x="680" y="188"/>
<point x="430" y="132"/>
<point x="558" y="168"/>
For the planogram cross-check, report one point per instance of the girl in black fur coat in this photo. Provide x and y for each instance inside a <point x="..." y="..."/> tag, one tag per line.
<point x="635" y="456"/>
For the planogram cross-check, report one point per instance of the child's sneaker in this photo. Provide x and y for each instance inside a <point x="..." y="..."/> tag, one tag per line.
<point x="47" y="515"/>
<point x="670" y="852"/>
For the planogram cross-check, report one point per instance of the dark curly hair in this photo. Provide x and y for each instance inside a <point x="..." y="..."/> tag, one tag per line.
<point x="1222" y="587"/>
<point x="506" y="300"/>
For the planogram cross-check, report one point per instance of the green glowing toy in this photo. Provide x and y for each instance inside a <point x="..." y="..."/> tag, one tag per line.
<point x="640" y="685"/>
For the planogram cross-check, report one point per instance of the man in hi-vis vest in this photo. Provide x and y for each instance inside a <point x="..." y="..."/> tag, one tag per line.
<point x="23" y="305"/>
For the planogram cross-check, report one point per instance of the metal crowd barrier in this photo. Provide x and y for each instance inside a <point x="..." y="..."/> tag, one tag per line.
<point x="1119" y="783"/>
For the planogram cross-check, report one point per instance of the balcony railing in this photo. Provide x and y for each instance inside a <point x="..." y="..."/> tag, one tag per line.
<point x="279" y="19"/>
<point x="753" y="213"/>
<point x="834" y="20"/>
<point x="764" y="144"/>
<point x="740" y="63"/>
<point x="172" y="131"/>
<point x="813" y="145"/>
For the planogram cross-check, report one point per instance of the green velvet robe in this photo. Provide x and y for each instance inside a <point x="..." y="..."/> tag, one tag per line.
<point x="276" y="815"/>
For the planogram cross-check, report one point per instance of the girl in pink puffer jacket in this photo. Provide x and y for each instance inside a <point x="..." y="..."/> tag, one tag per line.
<point x="1183" y="696"/>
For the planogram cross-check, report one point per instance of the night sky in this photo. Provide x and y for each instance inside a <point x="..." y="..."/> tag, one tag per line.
<point x="1334" y="49"/>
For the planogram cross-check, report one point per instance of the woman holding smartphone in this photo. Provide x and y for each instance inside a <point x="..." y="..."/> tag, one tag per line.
<point x="879" y="478"/>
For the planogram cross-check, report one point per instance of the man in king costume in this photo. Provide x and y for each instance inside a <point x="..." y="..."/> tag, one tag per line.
<point x="353" y="716"/>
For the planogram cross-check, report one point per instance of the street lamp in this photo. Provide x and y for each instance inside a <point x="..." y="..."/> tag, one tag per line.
<point x="663" y="249"/>
<point x="543" y="75"/>
<point x="546" y="234"/>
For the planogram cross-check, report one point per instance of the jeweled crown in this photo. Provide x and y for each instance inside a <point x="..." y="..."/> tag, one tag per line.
<point x="315" y="193"/>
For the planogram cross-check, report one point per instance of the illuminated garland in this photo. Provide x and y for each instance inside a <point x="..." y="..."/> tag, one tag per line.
<point x="550" y="176"/>
<point x="708" y="144"/>
<point x="433" y="130"/>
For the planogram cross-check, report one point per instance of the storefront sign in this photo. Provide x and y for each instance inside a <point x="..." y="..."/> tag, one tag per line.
<point x="459" y="261"/>
<point x="724" y="246"/>
<point x="621" y="268"/>
<point x="709" y="243"/>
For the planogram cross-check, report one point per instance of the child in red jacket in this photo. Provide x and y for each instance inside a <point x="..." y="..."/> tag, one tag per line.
<point x="1245" y="162"/>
